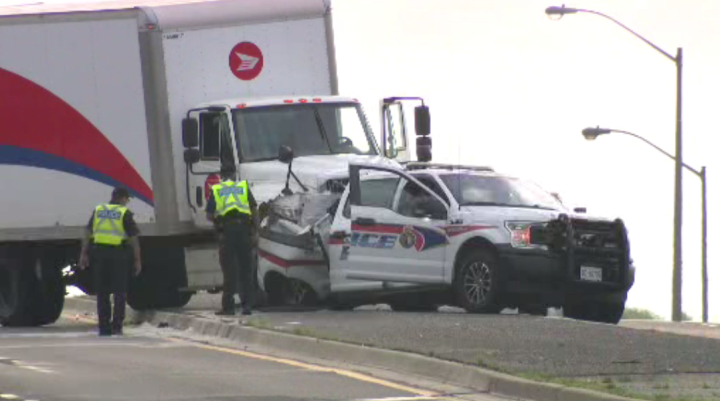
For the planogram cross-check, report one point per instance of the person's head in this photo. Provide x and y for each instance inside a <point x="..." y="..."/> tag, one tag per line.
<point x="227" y="172"/>
<point x="120" y="196"/>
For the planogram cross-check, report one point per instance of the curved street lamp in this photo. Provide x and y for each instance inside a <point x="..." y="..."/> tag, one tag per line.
<point x="592" y="133"/>
<point x="677" y="243"/>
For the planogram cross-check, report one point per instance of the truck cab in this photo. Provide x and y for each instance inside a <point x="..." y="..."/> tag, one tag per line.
<point x="325" y="134"/>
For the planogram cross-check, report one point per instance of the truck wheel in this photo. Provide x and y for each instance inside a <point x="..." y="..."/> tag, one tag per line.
<point x="602" y="312"/>
<point x="159" y="282"/>
<point x="475" y="283"/>
<point x="49" y="294"/>
<point x="15" y="293"/>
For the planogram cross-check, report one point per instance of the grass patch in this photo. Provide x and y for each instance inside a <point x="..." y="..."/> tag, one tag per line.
<point x="641" y="314"/>
<point x="607" y="385"/>
<point x="259" y="323"/>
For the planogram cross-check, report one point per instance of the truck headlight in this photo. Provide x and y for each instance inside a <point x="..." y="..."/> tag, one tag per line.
<point x="520" y="234"/>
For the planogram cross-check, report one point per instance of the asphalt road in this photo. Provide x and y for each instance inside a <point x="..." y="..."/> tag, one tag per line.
<point x="513" y="343"/>
<point x="68" y="361"/>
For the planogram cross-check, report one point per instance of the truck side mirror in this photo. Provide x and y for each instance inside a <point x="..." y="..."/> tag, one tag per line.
<point x="191" y="156"/>
<point x="190" y="136"/>
<point x="422" y="120"/>
<point x="286" y="154"/>
<point x="423" y="146"/>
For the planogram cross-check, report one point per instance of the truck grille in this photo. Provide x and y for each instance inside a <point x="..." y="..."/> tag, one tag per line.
<point x="599" y="244"/>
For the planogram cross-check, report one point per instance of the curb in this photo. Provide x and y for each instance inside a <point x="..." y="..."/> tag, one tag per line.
<point x="454" y="373"/>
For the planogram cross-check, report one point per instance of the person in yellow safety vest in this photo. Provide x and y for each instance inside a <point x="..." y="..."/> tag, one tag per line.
<point x="233" y="210"/>
<point x="109" y="232"/>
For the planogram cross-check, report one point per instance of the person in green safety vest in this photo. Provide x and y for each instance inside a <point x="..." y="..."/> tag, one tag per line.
<point x="233" y="210"/>
<point x="109" y="232"/>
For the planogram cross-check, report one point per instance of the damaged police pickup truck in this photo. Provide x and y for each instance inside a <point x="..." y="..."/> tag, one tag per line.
<point x="424" y="235"/>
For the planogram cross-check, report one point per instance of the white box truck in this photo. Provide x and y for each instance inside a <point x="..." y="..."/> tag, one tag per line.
<point x="155" y="97"/>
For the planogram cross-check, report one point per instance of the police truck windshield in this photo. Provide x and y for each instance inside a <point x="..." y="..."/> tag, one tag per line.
<point x="309" y="129"/>
<point x="478" y="190"/>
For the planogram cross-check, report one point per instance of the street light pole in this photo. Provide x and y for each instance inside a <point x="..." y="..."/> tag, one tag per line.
<point x="703" y="177"/>
<point x="592" y="133"/>
<point x="677" y="235"/>
<point x="677" y="268"/>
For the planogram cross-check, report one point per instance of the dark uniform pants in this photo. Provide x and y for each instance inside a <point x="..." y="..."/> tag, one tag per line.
<point x="111" y="272"/>
<point x="237" y="266"/>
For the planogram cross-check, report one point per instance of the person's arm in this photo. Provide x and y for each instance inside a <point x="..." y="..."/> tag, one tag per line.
<point x="132" y="231"/>
<point x="255" y="216"/>
<point x="84" y="261"/>
<point x="210" y="208"/>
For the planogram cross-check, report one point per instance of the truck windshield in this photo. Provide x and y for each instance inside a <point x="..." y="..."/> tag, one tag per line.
<point x="309" y="129"/>
<point x="478" y="190"/>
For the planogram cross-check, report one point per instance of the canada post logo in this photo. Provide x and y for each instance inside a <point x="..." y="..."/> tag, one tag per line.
<point x="246" y="61"/>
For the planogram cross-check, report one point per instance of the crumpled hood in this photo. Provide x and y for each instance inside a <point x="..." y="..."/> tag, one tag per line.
<point x="313" y="171"/>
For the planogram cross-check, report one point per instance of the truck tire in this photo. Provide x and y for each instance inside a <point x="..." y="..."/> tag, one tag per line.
<point x="602" y="312"/>
<point x="158" y="284"/>
<point x="475" y="284"/>
<point x="15" y="293"/>
<point x="49" y="298"/>
<point x="32" y="289"/>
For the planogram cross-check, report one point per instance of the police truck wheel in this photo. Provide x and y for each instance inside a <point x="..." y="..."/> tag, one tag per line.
<point x="476" y="284"/>
<point x="299" y="293"/>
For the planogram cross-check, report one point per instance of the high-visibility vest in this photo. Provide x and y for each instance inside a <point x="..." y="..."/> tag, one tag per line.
<point x="108" y="228"/>
<point x="231" y="195"/>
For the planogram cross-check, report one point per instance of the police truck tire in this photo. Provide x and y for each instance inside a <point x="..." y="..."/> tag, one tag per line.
<point x="476" y="284"/>
<point x="299" y="293"/>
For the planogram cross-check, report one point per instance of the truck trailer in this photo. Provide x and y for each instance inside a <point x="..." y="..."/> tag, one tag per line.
<point x="156" y="97"/>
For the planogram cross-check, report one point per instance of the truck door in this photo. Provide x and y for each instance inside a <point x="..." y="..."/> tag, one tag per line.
<point x="395" y="229"/>
<point x="216" y="149"/>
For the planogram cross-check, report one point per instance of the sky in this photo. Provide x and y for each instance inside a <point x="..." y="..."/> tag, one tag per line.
<point x="511" y="88"/>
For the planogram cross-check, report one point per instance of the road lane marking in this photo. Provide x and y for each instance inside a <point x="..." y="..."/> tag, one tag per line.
<point x="312" y="367"/>
<point x="303" y="365"/>
<point x="9" y="397"/>
<point x="416" y="398"/>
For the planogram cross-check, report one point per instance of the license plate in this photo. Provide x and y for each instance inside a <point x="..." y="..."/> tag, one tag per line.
<point x="588" y="273"/>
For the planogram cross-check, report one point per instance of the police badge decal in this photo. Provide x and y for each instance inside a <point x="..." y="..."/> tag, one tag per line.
<point x="408" y="237"/>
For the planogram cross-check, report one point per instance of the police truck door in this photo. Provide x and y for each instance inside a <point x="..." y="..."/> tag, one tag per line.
<point x="396" y="228"/>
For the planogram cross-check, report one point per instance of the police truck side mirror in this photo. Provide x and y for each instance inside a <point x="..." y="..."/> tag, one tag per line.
<point x="190" y="136"/>
<point x="191" y="155"/>
<point x="422" y="120"/>
<point x="286" y="154"/>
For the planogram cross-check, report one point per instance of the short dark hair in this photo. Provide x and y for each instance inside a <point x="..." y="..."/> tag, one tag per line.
<point x="120" y="193"/>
